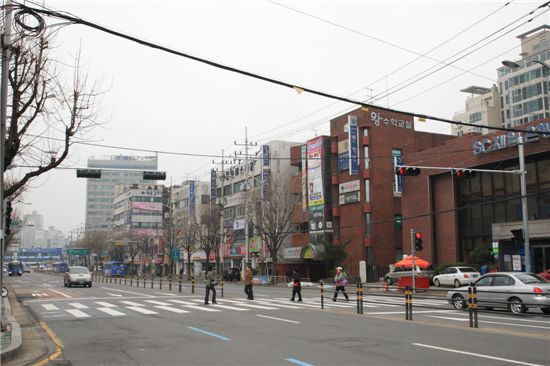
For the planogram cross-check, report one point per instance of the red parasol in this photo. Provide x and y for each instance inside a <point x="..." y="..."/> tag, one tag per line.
<point x="407" y="262"/>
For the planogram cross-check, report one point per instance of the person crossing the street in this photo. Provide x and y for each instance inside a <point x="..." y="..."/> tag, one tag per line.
<point x="210" y="286"/>
<point x="296" y="286"/>
<point x="341" y="281"/>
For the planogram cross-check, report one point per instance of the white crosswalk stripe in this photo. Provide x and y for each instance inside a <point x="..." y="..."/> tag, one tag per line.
<point x="169" y="308"/>
<point x="157" y="302"/>
<point x="111" y="311"/>
<point x="106" y="304"/>
<point x="251" y="305"/>
<point x="131" y="303"/>
<point x="77" y="313"/>
<point x="50" y="307"/>
<point x="141" y="309"/>
<point x="78" y="305"/>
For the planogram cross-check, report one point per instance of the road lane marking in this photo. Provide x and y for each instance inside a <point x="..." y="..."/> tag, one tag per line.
<point x="61" y="293"/>
<point x="77" y="313"/>
<point x="174" y="310"/>
<point x="128" y="292"/>
<point x="298" y="362"/>
<point x="106" y="304"/>
<point x="229" y="307"/>
<point x="112" y="312"/>
<point x="165" y="294"/>
<point x="492" y="322"/>
<point x="415" y="312"/>
<point x="209" y="333"/>
<point x="280" y="319"/>
<point x="117" y="295"/>
<point x="182" y="302"/>
<point x="201" y="308"/>
<point x="483" y="316"/>
<point x="251" y="305"/>
<point x="132" y="303"/>
<point x="263" y="302"/>
<point x="50" y="307"/>
<point x="58" y="346"/>
<point x="475" y="354"/>
<point x="78" y="305"/>
<point x="141" y="310"/>
<point x="157" y="302"/>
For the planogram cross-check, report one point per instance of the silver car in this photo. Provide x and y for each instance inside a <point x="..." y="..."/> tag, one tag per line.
<point x="516" y="291"/>
<point x="77" y="276"/>
<point x="392" y="278"/>
<point x="456" y="276"/>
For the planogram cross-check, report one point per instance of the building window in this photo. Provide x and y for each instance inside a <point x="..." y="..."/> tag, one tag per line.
<point x="365" y="132"/>
<point x="366" y="156"/>
<point x="367" y="190"/>
<point x="475" y="117"/>
<point x="368" y="225"/>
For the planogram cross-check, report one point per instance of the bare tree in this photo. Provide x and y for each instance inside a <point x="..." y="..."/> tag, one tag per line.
<point x="187" y="238"/>
<point x="45" y="116"/>
<point x="272" y="214"/>
<point x="209" y="231"/>
<point x="170" y="236"/>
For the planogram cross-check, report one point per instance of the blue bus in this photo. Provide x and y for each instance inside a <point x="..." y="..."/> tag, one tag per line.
<point x="15" y="268"/>
<point x="114" y="268"/>
<point x="60" y="267"/>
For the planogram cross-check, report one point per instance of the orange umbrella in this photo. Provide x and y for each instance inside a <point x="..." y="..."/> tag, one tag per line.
<point x="407" y="262"/>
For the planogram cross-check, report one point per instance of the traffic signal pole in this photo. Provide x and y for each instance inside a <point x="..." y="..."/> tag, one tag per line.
<point x="412" y="258"/>
<point x="524" y="212"/>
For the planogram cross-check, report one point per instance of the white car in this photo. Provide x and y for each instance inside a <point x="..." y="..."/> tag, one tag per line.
<point x="77" y="276"/>
<point x="456" y="276"/>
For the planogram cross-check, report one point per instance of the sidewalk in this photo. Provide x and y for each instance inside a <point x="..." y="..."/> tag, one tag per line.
<point x="23" y="341"/>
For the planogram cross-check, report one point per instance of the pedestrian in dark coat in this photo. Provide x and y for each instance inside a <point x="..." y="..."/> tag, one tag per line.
<point x="248" y="282"/>
<point x="296" y="286"/>
<point x="210" y="286"/>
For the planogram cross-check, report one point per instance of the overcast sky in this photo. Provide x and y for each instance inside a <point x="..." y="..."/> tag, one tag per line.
<point x="162" y="102"/>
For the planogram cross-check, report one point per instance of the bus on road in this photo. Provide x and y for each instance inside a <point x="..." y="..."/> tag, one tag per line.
<point x="114" y="269"/>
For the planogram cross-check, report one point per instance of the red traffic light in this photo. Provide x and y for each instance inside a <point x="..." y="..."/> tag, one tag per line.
<point x="412" y="171"/>
<point x="418" y="235"/>
<point x="464" y="173"/>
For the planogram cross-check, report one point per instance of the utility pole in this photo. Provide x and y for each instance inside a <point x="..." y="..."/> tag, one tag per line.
<point x="412" y="259"/>
<point x="222" y="180"/>
<point x="524" y="211"/>
<point x="246" y="145"/>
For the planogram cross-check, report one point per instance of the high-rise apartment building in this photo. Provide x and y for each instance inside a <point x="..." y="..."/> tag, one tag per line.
<point x="482" y="108"/>
<point x="524" y="84"/>
<point x="125" y="170"/>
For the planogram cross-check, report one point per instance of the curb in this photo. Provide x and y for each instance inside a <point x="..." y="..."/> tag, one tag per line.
<point x="16" y="341"/>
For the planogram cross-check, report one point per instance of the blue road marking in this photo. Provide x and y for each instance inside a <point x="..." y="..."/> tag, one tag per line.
<point x="298" y="362"/>
<point x="210" y="334"/>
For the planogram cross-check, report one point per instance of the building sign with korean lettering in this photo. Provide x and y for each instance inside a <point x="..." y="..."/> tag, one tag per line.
<point x="213" y="187"/>
<point x="532" y="134"/>
<point x="304" y="177"/>
<point x="353" y="137"/>
<point x="192" y="197"/>
<point x="380" y="119"/>
<point x="315" y="172"/>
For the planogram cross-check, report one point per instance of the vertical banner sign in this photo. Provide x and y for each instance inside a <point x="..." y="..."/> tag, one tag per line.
<point x="304" y="178"/>
<point x="398" y="178"/>
<point x="315" y="172"/>
<point x="192" y="197"/>
<point x="265" y="184"/>
<point x="265" y="156"/>
<point x="213" y="187"/>
<point x="353" y="139"/>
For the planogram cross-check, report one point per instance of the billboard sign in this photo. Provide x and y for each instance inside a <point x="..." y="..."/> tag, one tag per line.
<point x="213" y="187"/>
<point x="265" y="156"/>
<point x="343" y="155"/>
<point x="304" y="177"/>
<point x="353" y="137"/>
<point x="192" y="197"/>
<point x="315" y="172"/>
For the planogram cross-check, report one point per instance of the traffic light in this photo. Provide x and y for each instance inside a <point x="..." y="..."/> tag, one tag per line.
<point x="88" y="173"/>
<point x="464" y="173"/>
<point x="7" y="218"/>
<point x="154" y="175"/>
<point x="412" y="171"/>
<point x="418" y="241"/>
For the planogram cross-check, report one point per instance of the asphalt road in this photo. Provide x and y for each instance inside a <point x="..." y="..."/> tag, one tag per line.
<point x="113" y="324"/>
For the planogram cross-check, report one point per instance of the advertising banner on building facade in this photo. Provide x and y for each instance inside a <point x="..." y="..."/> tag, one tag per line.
<point x="343" y="155"/>
<point x="254" y="244"/>
<point x="213" y="187"/>
<point x="147" y="206"/>
<point x="266" y="178"/>
<point x="353" y="137"/>
<point x="304" y="177"/>
<point x="315" y="172"/>
<point x="265" y="156"/>
<point x="192" y="197"/>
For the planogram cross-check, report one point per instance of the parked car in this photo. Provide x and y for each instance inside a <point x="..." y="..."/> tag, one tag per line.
<point x="456" y="276"/>
<point x="545" y="274"/>
<point x="392" y="277"/>
<point x="77" y="275"/>
<point x="517" y="291"/>
<point x="233" y="275"/>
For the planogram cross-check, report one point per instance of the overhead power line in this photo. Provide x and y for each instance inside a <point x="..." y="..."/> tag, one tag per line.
<point x="296" y="87"/>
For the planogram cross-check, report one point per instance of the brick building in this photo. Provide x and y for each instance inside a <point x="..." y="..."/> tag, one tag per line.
<point x="363" y="209"/>
<point x="456" y="215"/>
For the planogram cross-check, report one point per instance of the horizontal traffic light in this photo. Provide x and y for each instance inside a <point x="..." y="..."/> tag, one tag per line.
<point x="88" y="173"/>
<point x="464" y="173"/>
<point x="411" y="171"/>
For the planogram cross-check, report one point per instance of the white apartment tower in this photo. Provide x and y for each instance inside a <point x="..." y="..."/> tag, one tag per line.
<point x="524" y="84"/>
<point x="115" y="170"/>
<point x="482" y="108"/>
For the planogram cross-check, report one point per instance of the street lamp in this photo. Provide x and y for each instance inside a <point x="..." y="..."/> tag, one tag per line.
<point x="510" y="64"/>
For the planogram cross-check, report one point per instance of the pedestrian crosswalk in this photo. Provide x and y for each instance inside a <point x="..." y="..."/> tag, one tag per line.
<point x="145" y="306"/>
